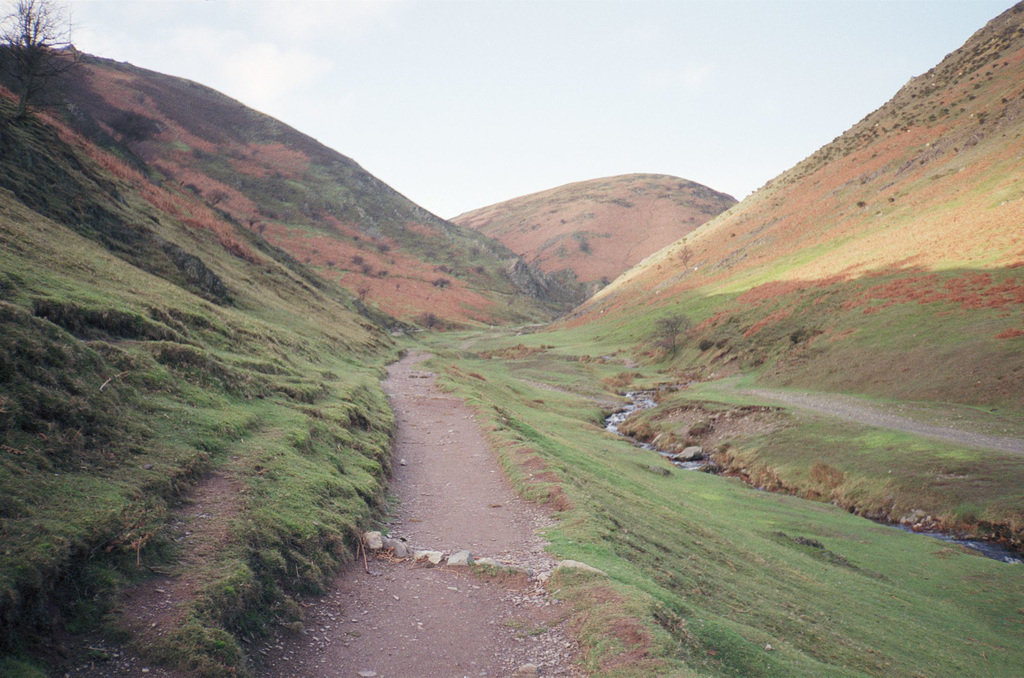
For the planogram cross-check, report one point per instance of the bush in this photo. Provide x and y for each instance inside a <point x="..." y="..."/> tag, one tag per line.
<point x="431" y="321"/>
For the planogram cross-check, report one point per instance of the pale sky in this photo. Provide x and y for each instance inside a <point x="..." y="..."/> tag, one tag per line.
<point x="461" y="104"/>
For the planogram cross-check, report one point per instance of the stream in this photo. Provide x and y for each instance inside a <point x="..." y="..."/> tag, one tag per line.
<point x="644" y="400"/>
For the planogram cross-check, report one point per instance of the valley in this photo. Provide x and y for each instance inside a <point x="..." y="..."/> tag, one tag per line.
<point x="256" y="405"/>
<point x="696" y="558"/>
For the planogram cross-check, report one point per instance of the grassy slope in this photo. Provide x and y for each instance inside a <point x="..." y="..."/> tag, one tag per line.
<point x="597" y="229"/>
<point x="142" y="348"/>
<point x="887" y="265"/>
<point x="316" y="204"/>
<point x="705" y="572"/>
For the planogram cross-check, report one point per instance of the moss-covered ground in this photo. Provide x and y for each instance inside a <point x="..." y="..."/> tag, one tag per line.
<point x="139" y="354"/>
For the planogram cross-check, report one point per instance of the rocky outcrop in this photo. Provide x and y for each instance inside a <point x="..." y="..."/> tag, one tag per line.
<point x="533" y="283"/>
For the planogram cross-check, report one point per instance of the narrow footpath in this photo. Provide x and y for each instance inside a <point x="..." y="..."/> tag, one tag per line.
<point x="852" y="409"/>
<point x="406" y="619"/>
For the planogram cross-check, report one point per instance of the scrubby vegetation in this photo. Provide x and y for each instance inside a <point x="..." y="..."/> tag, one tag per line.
<point x="589" y="232"/>
<point x="240" y="167"/>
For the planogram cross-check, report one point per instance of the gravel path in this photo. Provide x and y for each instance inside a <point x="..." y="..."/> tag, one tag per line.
<point x="405" y="619"/>
<point x="851" y="409"/>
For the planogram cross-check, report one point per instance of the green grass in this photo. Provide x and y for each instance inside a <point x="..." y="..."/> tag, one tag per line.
<point x="876" y="472"/>
<point x="704" y="571"/>
<point x="123" y="385"/>
<point x="828" y="338"/>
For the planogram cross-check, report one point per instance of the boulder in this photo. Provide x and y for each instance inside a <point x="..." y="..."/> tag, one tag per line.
<point x="397" y="547"/>
<point x="460" y="559"/>
<point x="374" y="541"/>
<point x="433" y="557"/>
<point x="577" y="565"/>
<point x="692" y="453"/>
<point x="915" y="516"/>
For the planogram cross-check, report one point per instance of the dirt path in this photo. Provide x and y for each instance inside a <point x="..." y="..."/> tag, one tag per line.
<point x="851" y="409"/>
<point x="405" y="619"/>
<point x="201" y="528"/>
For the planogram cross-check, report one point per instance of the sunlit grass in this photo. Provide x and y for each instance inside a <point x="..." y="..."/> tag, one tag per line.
<point x="705" y="571"/>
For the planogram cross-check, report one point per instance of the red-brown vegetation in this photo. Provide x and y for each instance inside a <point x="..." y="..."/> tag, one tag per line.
<point x="599" y="228"/>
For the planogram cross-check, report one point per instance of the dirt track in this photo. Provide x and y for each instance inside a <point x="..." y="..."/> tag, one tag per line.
<point x="411" y="620"/>
<point x="850" y="409"/>
<point x="400" y="619"/>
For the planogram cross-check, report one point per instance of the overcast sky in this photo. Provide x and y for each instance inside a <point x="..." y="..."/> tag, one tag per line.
<point x="459" y="105"/>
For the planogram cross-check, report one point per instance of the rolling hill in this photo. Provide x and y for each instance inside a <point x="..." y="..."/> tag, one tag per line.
<point x="314" y="203"/>
<point x="890" y="262"/>
<point x="150" y="347"/>
<point x="592" y="231"/>
<point x="183" y="314"/>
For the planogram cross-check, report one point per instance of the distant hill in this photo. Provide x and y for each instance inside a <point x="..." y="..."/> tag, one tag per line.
<point x="891" y="261"/>
<point x="316" y="204"/>
<point x="594" y="230"/>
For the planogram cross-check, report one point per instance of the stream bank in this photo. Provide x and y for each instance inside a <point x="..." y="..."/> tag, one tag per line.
<point x="768" y="481"/>
<point x="645" y="400"/>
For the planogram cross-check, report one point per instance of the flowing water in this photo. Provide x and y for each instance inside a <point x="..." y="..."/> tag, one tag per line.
<point x="988" y="549"/>
<point x="644" y="400"/>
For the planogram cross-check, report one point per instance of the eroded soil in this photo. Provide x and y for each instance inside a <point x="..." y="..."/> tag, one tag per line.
<point x="157" y="606"/>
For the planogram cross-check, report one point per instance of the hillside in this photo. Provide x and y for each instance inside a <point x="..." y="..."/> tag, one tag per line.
<point x="316" y="204"/>
<point x="885" y="271"/>
<point x="855" y="349"/>
<point x="887" y="263"/>
<point x="592" y="231"/>
<point x="152" y="348"/>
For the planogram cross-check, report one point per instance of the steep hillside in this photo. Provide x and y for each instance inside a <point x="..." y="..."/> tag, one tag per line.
<point x="592" y="231"/>
<point x="314" y="203"/>
<point x="890" y="262"/>
<point x="150" y="347"/>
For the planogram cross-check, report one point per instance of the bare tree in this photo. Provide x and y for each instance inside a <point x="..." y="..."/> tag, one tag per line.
<point x="35" y="48"/>
<point x="684" y="255"/>
<point x="668" y="329"/>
